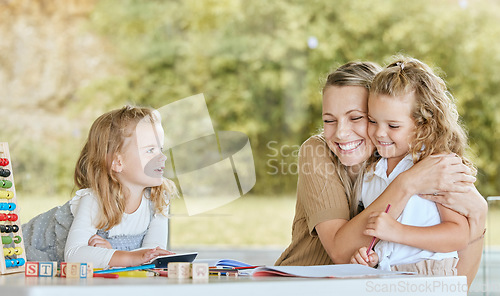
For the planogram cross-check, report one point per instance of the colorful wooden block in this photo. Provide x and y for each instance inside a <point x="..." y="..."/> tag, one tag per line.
<point x="90" y="270"/>
<point x="184" y="270"/>
<point x="31" y="269"/>
<point x="47" y="269"/>
<point x="73" y="270"/>
<point x="63" y="269"/>
<point x="199" y="271"/>
<point x="83" y="270"/>
<point x="173" y="270"/>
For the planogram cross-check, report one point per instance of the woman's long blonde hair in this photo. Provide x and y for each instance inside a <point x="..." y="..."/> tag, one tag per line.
<point x="438" y="127"/>
<point x="93" y="168"/>
<point x="350" y="74"/>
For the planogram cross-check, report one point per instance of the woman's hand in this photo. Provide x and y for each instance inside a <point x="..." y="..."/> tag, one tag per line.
<point x="98" y="241"/>
<point x="360" y="257"/>
<point x="470" y="204"/>
<point x="439" y="173"/>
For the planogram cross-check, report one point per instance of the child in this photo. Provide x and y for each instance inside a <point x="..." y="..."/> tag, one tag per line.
<point x="117" y="218"/>
<point x="411" y="116"/>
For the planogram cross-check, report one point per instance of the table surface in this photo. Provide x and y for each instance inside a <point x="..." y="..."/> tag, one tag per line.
<point x="17" y="284"/>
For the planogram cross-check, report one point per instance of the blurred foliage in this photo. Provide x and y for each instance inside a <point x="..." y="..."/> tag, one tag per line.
<point x="260" y="65"/>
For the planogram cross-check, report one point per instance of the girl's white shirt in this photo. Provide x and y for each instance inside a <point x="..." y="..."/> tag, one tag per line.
<point x="85" y="208"/>
<point x="418" y="212"/>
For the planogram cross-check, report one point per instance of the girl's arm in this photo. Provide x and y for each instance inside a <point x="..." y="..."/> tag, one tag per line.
<point x="450" y="235"/>
<point x="137" y="257"/>
<point x="473" y="206"/>
<point x="82" y="229"/>
<point x="342" y="238"/>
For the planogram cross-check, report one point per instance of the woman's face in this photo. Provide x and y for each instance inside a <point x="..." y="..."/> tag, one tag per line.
<point x="345" y="123"/>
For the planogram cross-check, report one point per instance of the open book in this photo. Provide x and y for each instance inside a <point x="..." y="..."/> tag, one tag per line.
<point x="162" y="261"/>
<point x="223" y="263"/>
<point x="323" y="271"/>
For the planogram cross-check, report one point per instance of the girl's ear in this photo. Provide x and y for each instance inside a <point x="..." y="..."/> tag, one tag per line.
<point x="117" y="164"/>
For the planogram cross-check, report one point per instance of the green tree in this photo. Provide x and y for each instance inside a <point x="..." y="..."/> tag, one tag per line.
<point x="252" y="61"/>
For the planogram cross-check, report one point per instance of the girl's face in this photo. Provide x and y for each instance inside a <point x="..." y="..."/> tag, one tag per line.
<point x="142" y="158"/>
<point x="391" y="126"/>
<point x="345" y="123"/>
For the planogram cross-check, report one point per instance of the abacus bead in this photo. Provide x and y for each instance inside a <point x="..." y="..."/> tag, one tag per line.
<point x="17" y="239"/>
<point x="6" y="240"/>
<point x="18" y="250"/>
<point x="14" y="228"/>
<point x="20" y="261"/>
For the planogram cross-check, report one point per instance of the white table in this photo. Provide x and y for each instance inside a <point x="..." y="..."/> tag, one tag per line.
<point x="19" y="285"/>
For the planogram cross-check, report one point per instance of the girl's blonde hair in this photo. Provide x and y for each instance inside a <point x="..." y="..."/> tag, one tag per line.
<point x="350" y="74"/>
<point x="93" y="168"/>
<point x="438" y="128"/>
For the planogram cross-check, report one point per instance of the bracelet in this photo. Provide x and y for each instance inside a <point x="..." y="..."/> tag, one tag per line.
<point x="479" y="238"/>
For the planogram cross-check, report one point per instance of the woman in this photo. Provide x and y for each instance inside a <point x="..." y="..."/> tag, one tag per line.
<point x="328" y="226"/>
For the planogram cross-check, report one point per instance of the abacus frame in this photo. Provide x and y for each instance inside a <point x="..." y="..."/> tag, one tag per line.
<point x="4" y="153"/>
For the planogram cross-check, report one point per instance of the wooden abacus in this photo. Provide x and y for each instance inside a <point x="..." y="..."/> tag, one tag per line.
<point x="10" y="226"/>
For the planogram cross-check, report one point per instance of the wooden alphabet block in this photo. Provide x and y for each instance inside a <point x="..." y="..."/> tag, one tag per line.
<point x="47" y="269"/>
<point x="63" y="269"/>
<point x="173" y="270"/>
<point x="90" y="270"/>
<point x="83" y="270"/>
<point x="31" y="269"/>
<point x="73" y="270"/>
<point x="184" y="270"/>
<point x="199" y="271"/>
<point x="179" y="270"/>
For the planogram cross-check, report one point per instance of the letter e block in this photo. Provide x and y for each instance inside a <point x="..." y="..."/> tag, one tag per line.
<point x="31" y="269"/>
<point x="200" y="271"/>
<point x="73" y="270"/>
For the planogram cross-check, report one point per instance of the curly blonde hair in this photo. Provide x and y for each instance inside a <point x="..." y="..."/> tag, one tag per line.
<point x="93" y="169"/>
<point x="438" y="127"/>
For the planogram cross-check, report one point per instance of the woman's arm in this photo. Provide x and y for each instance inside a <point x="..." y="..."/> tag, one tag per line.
<point x="343" y="238"/>
<point x="450" y="235"/>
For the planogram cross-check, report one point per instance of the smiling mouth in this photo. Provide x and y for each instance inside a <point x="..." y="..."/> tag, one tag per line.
<point x="385" y="143"/>
<point x="346" y="147"/>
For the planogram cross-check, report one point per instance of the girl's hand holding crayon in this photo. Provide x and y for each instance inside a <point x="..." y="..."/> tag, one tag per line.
<point x="383" y="226"/>
<point x="363" y="257"/>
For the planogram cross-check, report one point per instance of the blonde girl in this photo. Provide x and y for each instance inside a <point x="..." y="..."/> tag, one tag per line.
<point x="412" y="116"/>
<point x="117" y="217"/>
